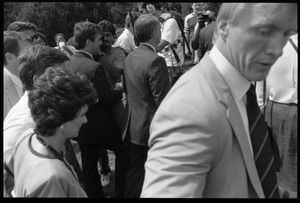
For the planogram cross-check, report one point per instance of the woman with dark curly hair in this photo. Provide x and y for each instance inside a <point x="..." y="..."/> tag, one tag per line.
<point x="58" y="105"/>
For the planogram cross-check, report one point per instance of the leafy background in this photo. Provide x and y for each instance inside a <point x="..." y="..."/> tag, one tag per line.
<point x="56" y="17"/>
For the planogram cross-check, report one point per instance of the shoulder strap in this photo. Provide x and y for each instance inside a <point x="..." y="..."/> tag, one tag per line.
<point x="293" y="44"/>
<point x="182" y="33"/>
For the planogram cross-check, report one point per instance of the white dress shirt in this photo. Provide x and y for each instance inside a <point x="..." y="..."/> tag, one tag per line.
<point x="126" y="41"/>
<point x="237" y="83"/>
<point x="16" y="122"/>
<point x="282" y="81"/>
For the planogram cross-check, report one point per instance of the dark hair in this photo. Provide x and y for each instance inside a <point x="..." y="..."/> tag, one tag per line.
<point x="35" y="60"/>
<point x="21" y="26"/>
<point x="144" y="27"/>
<point x="58" y="96"/>
<point x="131" y="17"/>
<point x="155" y="4"/>
<point x="11" y="41"/>
<point x="84" y="31"/>
<point x="105" y="26"/>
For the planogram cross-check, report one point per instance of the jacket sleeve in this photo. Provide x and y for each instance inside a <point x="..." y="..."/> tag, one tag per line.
<point x="159" y="79"/>
<point x="106" y="96"/>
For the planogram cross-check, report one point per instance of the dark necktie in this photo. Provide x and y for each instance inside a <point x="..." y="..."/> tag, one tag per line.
<point x="262" y="146"/>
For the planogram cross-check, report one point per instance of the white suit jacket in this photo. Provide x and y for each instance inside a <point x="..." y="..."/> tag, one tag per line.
<point x="198" y="143"/>
<point x="10" y="94"/>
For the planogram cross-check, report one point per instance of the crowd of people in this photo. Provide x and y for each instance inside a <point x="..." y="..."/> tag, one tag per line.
<point x="226" y="128"/>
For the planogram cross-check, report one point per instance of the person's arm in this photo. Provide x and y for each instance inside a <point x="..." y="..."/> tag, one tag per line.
<point x="163" y="43"/>
<point x="106" y="96"/>
<point x="159" y="79"/>
<point x="195" y="39"/>
<point x="113" y="71"/>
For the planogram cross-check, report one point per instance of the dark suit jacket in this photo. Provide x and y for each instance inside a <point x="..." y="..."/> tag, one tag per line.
<point x="205" y="38"/>
<point x="146" y="85"/>
<point x="101" y="126"/>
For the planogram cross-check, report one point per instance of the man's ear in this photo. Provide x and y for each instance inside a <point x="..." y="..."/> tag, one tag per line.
<point x="223" y="29"/>
<point x="9" y="57"/>
<point x="88" y="43"/>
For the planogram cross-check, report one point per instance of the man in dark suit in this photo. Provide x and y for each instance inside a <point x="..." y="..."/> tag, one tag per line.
<point x="146" y="84"/>
<point x="101" y="130"/>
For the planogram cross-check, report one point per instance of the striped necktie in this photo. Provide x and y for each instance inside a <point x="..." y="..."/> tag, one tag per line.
<point x="262" y="146"/>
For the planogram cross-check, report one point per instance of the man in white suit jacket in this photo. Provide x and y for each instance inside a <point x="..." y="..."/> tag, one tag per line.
<point x="199" y="138"/>
<point x="14" y="43"/>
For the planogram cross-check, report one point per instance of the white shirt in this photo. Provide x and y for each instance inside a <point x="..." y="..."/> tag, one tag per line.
<point x="16" y="122"/>
<point x="237" y="83"/>
<point x="126" y="41"/>
<point x="17" y="82"/>
<point x="171" y="33"/>
<point x="282" y="81"/>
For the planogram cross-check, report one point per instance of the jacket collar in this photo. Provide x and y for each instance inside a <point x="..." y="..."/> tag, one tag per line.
<point x="225" y="96"/>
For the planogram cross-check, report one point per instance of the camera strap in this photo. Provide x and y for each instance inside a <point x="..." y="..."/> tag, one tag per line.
<point x="293" y="44"/>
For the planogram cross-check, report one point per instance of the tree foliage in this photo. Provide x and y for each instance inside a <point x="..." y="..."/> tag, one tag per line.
<point x="56" y="17"/>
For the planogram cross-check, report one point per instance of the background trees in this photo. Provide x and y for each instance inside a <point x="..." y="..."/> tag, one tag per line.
<point x="55" y="17"/>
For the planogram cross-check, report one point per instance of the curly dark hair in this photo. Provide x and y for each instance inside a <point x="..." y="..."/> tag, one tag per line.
<point x="57" y="98"/>
<point x="35" y="60"/>
<point x="83" y="31"/>
<point x="105" y="25"/>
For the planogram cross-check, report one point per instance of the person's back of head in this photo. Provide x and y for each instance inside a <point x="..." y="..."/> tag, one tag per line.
<point x="58" y="96"/>
<point x="145" y="26"/>
<point x="11" y="43"/>
<point x="35" y="60"/>
<point x="84" y="31"/>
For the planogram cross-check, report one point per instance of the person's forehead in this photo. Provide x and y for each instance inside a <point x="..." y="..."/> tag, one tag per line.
<point x="268" y="14"/>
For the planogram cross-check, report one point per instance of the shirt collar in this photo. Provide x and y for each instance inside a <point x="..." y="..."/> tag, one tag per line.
<point x="149" y="45"/>
<point x="16" y="80"/>
<point x="238" y="84"/>
<point x="86" y="53"/>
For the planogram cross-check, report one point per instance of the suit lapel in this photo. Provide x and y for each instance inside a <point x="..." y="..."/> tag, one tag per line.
<point x="220" y="86"/>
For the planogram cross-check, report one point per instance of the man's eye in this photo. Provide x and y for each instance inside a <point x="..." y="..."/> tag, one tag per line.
<point x="264" y="31"/>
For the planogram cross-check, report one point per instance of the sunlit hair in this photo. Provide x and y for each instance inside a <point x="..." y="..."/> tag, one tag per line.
<point x="58" y="97"/>
<point x="145" y="26"/>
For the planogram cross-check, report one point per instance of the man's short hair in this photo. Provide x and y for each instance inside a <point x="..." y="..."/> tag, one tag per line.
<point x="21" y="26"/>
<point x="34" y="60"/>
<point x="11" y="41"/>
<point x="84" y="31"/>
<point x="105" y="26"/>
<point x="144" y="27"/>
